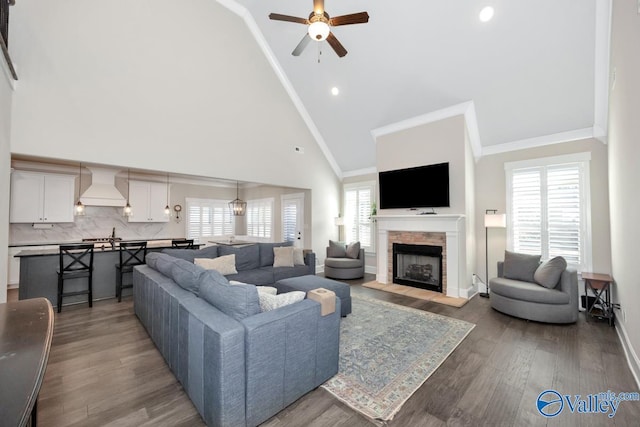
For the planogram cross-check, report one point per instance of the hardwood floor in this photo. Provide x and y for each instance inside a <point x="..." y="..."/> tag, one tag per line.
<point x="104" y="370"/>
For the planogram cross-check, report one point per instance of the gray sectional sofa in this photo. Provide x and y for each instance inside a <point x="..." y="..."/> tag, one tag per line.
<point x="238" y="365"/>
<point x="253" y="262"/>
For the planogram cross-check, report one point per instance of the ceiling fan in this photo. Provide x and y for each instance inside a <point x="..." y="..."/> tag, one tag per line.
<point x="320" y="24"/>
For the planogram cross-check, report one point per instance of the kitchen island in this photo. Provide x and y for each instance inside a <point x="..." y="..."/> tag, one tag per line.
<point x="38" y="277"/>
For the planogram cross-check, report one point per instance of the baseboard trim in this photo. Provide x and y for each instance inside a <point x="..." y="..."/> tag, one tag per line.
<point x="629" y="353"/>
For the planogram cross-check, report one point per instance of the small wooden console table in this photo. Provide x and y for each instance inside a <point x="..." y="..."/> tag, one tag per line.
<point x="26" y="329"/>
<point x="600" y="286"/>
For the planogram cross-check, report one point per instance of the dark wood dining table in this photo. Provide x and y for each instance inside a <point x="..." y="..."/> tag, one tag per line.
<point x="26" y="330"/>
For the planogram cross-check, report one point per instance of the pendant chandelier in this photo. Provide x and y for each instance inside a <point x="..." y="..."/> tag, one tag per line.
<point x="238" y="207"/>
<point x="127" y="208"/>
<point x="167" y="209"/>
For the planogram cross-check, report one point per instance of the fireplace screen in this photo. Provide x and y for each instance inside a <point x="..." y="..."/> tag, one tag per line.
<point x="418" y="265"/>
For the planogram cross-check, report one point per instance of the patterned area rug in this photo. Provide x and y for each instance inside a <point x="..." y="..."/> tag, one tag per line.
<point x="387" y="352"/>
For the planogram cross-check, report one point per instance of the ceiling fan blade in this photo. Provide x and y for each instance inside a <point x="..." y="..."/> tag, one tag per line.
<point x="303" y="43"/>
<point x="353" y="18"/>
<point x="318" y="6"/>
<point x="336" y="45"/>
<point x="279" y="17"/>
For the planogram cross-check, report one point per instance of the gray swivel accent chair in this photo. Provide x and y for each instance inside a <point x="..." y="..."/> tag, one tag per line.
<point x="344" y="267"/>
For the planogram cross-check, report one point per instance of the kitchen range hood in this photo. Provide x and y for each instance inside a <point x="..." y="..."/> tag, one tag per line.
<point x="102" y="191"/>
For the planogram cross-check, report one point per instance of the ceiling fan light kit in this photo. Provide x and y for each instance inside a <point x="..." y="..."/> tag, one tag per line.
<point x="319" y="26"/>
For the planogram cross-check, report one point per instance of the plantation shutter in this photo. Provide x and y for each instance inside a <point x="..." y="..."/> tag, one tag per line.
<point x="548" y="207"/>
<point x="289" y="220"/>
<point x="358" y="200"/>
<point x="564" y="213"/>
<point x="260" y="219"/>
<point x="208" y="218"/>
<point x="526" y="215"/>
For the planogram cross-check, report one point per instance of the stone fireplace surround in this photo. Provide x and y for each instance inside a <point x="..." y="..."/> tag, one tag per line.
<point x="447" y="230"/>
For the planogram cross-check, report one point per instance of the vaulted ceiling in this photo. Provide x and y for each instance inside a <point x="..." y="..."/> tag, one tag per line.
<point x="535" y="73"/>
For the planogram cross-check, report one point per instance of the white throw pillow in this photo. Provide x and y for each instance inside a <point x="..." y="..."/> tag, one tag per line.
<point x="298" y="256"/>
<point x="223" y="264"/>
<point x="266" y="289"/>
<point x="283" y="256"/>
<point x="270" y="302"/>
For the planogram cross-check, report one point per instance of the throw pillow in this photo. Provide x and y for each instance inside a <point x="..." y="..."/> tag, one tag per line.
<point x="298" y="256"/>
<point x="223" y="264"/>
<point x="270" y="302"/>
<point x="237" y="301"/>
<point x="353" y="250"/>
<point x="266" y="289"/>
<point x="548" y="274"/>
<point x="520" y="266"/>
<point x="336" y="250"/>
<point x="283" y="256"/>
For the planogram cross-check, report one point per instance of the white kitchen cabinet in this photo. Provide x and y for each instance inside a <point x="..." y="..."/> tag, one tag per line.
<point x="148" y="200"/>
<point x="40" y="197"/>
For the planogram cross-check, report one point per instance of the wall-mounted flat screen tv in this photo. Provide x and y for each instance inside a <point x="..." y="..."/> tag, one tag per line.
<point x="419" y="187"/>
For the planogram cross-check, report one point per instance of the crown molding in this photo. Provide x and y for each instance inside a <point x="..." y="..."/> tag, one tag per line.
<point x="556" y="138"/>
<point x="601" y="69"/>
<point x="243" y="13"/>
<point x="360" y="172"/>
<point x="466" y="109"/>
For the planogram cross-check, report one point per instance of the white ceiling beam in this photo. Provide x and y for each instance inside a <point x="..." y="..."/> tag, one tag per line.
<point x="601" y="69"/>
<point x="539" y="141"/>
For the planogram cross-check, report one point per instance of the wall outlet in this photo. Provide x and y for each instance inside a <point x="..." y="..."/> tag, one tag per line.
<point x="623" y="315"/>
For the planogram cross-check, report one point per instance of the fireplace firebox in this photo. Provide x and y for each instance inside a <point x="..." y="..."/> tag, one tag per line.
<point x="419" y="266"/>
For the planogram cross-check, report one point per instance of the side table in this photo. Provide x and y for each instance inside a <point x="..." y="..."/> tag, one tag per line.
<point x="600" y="286"/>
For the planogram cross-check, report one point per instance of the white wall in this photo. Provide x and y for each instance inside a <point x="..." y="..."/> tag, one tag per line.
<point x="6" y="94"/>
<point x="491" y="194"/>
<point x="157" y="85"/>
<point x="624" y="171"/>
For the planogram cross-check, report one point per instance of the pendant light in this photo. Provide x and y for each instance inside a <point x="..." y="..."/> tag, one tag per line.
<point x="127" y="208"/>
<point x="79" y="207"/>
<point x="238" y="207"/>
<point x="167" y="209"/>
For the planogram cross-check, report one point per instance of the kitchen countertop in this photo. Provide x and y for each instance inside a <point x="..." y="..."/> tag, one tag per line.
<point x="70" y="242"/>
<point x="97" y="250"/>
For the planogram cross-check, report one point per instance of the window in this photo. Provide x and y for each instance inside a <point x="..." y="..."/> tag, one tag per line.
<point x="260" y="219"/>
<point x="548" y="208"/>
<point x="358" y="199"/>
<point x="208" y="218"/>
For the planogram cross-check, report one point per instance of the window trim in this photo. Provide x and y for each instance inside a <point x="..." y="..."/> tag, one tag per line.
<point x="582" y="158"/>
<point x="370" y="185"/>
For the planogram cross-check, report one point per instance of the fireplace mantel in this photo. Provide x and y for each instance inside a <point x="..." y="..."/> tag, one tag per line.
<point x="454" y="227"/>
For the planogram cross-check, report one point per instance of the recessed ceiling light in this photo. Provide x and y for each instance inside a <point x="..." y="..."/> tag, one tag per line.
<point x="486" y="14"/>
<point x="335" y="91"/>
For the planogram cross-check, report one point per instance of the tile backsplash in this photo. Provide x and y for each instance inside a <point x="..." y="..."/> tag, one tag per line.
<point x="98" y="222"/>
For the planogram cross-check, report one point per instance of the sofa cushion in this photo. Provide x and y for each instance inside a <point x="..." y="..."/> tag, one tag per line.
<point x="353" y="250"/>
<point x="225" y="264"/>
<point x="266" y="252"/>
<point x="152" y="259"/>
<point x="548" y="273"/>
<point x="187" y="275"/>
<point x="287" y="272"/>
<point x="336" y="249"/>
<point x="520" y="266"/>
<point x="342" y="262"/>
<point x="266" y="289"/>
<point x="527" y="291"/>
<point x="283" y="257"/>
<point x="270" y="302"/>
<point x="260" y="276"/>
<point x="237" y="301"/>
<point x="247" y="257"/>
<point x="191" y="254"/>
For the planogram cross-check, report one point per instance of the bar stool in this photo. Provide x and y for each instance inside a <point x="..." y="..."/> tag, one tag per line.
<point x="131" y="254"/>
<point x="183" y="244"/>
<point x="76" y="262"/>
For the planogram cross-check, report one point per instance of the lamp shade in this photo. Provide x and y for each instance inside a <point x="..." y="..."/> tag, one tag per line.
<point x="495" y="220"/>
